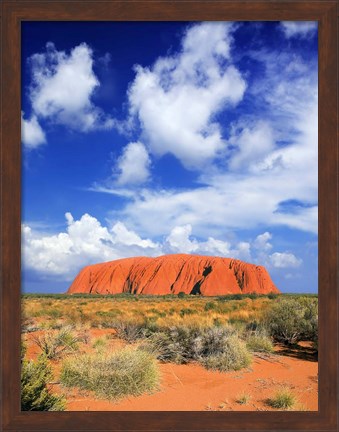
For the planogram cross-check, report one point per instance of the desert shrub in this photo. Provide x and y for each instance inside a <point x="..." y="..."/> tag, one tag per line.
<point x="243" y="399"/>
<point x="217" y="322"/>
<point x="206" y="345"/>
<point x="99" y="343"/>
<point x="291" y="320"/>
<point x="213" y="340"/>
<point x="252" y="326"/>
<point x="54" y="313"/>
<point x="181" y="294"/>
<point x="55" y="325"/>
<point x="132" y="331"/>
<point x="259" y="342"/>
<point x="283" y="399"/>
<point x="122" y="373"/>
<point x="29" y="328"/>
<point x="35" y="395"/>
<point x="234" y="356"/>
<point x="54" y="344"/>
<point x="310" y="324"/>
<point x="187" y="311"/>
<point x="210" y="306"/>
<point x="166" y="348"/>
<point x="229" y="297"/>
<point x="111" y="313"/>
<point x="84" y="336"/>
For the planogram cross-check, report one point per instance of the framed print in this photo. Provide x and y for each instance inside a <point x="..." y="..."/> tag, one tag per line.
<point x="169" y="215"/>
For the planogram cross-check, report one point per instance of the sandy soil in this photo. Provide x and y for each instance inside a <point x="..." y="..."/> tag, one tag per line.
<point x="193" y="388"/>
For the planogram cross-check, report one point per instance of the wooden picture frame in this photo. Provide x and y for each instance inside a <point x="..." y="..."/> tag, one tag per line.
<point x="12" y="14"/>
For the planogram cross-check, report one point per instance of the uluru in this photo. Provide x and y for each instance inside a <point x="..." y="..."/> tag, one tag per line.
<point x="172" y="274"/>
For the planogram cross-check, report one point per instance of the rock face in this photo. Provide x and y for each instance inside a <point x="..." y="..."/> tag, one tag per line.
<point x="171" y="274"/>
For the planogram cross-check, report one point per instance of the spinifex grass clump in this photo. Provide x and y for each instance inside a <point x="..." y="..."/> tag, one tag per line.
<point x="216" y="348"/>
<point x="243" y="399"/>
<point x="234" y="356"/>
<point x="112" y="376"/>
<point x="283" y="399"/>
<point x="258" y="341"/>
<point x="54" y="344"/>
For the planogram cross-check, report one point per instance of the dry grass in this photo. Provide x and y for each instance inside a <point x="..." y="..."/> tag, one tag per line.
<point x="112" y="376"/>
<point x="283" y="399"/>
<point x="162" y="312"/>
<point x="243" y="399"/>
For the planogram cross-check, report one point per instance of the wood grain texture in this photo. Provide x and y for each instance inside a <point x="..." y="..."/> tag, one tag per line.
<point x="12" y="13"/>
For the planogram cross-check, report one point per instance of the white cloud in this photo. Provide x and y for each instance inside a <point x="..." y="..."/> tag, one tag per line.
<point x="85" y="241"/>
<point x="62" y="87"/>
<point x="133" y="165"/>
<point x="179" y="240"/>
<point x="216" y="247"/>
<point x="227" y="202"/>
<point x="32" y="135"/>
<point x="284" y="260"/>
<point x="298" y="28"/>
<point x="262" y="242"/>
<point x="270" y="157"/>
<point x="252" y="145"/>
<point x="121" y="235"/>
<point x="176" y="99"/>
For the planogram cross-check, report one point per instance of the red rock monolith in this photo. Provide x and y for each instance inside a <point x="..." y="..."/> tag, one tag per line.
<point x="171" y="274"/>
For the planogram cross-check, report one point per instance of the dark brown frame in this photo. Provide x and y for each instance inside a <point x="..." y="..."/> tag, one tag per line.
<point x="15" y="11"/>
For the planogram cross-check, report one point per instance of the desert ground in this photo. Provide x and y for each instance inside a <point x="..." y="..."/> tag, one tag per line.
<point x="194" y="353"/>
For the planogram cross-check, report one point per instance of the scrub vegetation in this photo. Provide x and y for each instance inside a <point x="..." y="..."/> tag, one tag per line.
<point x="113" y="346"/>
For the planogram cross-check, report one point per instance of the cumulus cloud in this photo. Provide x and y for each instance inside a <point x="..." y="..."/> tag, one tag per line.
<point x="86" y="241"/>
<point x="271" y="155"/>
<point x="121" y="235"/>
<point x="176" y="99"/>
<point x="179" y="239"/>
<point x="284" y="260"/>
<point x="133" y="165"/>
<point x="262" y="242"/>
<point x="252" y="145"/>
<point x="298" y="28"/>
<point x="32" y="135"/>
<point x="62" y="88"/>
<point x="228" y="202"/>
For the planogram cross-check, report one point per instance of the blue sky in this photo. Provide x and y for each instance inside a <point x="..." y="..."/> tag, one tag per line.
<point x="146" y="138"/>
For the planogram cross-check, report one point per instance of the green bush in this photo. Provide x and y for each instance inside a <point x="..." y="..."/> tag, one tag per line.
<point x="34" y="392"/>
<point x="290" y="320"/>
<point x="181" y="294"/>
<point x="122" y="373"/>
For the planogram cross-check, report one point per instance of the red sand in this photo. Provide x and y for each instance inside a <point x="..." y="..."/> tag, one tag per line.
<point x="171" y="274"/>
<point x="193" y="388"/>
